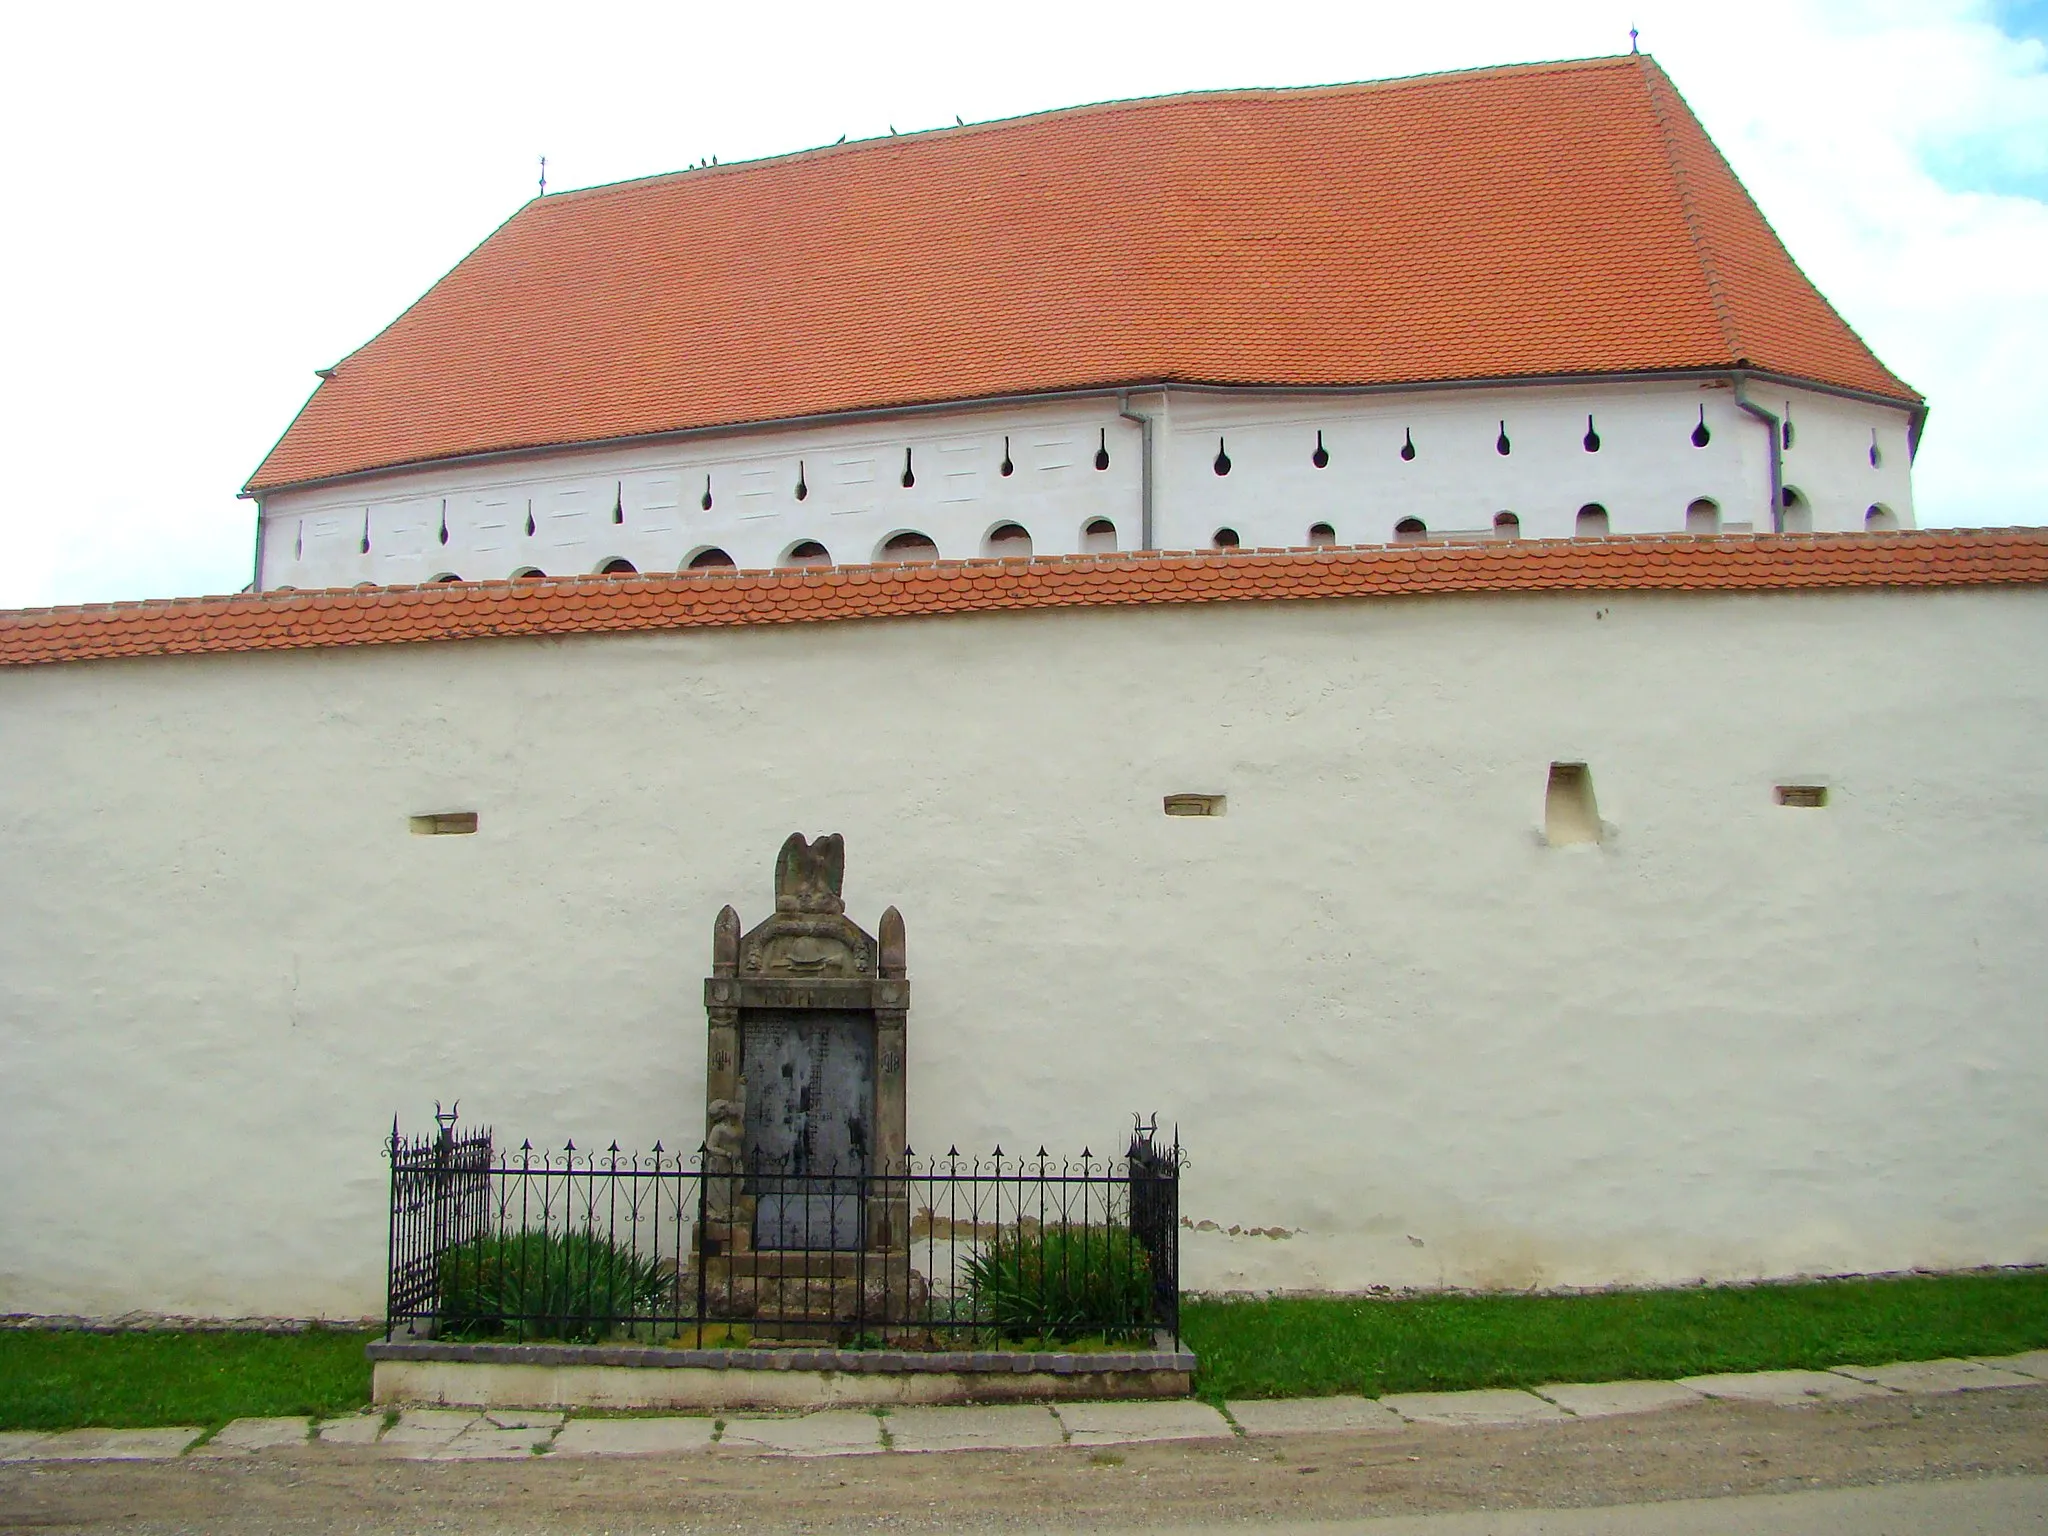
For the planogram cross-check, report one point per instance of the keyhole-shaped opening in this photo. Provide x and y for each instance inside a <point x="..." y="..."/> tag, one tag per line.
<point x="1501" y="445"/>
<point x="529" y="519"/>
<point x="1700" y="435"/>
<point x="299" y="543"/>
<point x="1321" y="457"/>
<point x="444" y="520"/>
<point x="909" y="475"/>
<point x="1592" y="437"/>
<point x="706" y="502"/>
<point x="1785" y="430"/>
<point x="802" y="490"/>
<point x="619" y="502"/>
<point x="1007" y="467"/>
<point x="1102" y="448"/>
<point x="1222" y="464"/>
<point x="1876" y="458"/>
<point x="365" y="545"/>
<point x="1408" y="444"/>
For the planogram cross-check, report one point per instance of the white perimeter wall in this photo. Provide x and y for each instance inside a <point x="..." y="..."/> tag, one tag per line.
<point x="1393" y="1026"/>
<point x="645" y="504"/>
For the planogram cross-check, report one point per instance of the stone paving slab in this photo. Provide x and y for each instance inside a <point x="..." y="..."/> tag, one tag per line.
<point x="1021" y="1427"/>
<point x="831" y="1432"/>
<point x="14" y="1443"/>
<point x="1937" y="1376"/>
<point x="483" y="1441"/>
<point x="632" y="1437"/>
<point x="1783" y="1386"/>
<point x="356" y="1429"/>
<point x="422" y="1429"/>
<point x="1129" y="1423"/>
<point x="245" y="1437"/>
<point x="525" y="1418"/>
<point x="1491" y="1405"/>
<point x="2033" y="1363"/>
<point x="1603" y="1399"/>
<point x="1312" y="1415"/>
<point x="117" y="1444"/>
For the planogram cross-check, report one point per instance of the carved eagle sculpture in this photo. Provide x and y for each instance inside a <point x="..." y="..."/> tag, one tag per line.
<point x="808" y="875"/>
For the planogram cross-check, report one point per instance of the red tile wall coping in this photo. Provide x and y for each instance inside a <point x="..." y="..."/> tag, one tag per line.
<point x="711" y="599"/>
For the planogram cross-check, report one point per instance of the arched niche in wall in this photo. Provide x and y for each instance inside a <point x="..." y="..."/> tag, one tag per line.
<point x="443" y="579"/>
<point x="1797" y="511"/>
<point x="1225" y="538"/>
<point x="907" y="546"/>
<point x="1703" y="515"/>
<point x="529" y="573"/>
<point x="1591" y="522"/>
<point x="805" y="554"/>
<point x="1410" y="530"/>
<point x="1506" y="525"/>
<point x="1007" y="541"/>
<point x="1098" y="537"/>
<point x="618" y="565"/>
<point x="1880" y="519"/>
<point x="1321" y="536"/>
<point x="710" y="559"/>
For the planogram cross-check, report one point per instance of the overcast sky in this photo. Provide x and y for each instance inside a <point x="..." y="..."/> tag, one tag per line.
<point x="206" y="204"/>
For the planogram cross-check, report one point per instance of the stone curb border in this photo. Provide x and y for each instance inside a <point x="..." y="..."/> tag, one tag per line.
<point x="852" y="1361"/>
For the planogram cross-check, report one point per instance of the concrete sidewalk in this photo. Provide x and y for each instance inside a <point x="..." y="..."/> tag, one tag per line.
<point x="445" y="1434"/>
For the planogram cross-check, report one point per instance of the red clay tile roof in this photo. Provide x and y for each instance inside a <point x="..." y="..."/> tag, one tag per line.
<point x="698" y="599"/>
<point x="1539" y="220"/>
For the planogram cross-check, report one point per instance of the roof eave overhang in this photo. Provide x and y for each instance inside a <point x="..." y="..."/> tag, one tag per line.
<point x="1912" y="404"/>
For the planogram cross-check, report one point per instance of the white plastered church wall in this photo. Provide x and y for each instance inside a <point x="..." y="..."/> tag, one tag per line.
<point x="1394" y="1027"/>
<point x="645" y="503"/>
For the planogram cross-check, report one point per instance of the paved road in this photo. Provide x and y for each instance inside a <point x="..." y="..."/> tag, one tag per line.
<point x="1983" y="1506"/>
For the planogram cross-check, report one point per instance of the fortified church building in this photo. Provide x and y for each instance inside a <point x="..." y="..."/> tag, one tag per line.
<point x="1477" y="741"/>
<point x="1529" y="302"/>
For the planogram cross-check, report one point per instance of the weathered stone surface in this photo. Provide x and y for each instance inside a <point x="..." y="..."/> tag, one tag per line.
<point x="1782" y="1386"/>
<point x="633" y="1437"/>
<point x="428" y="1428"/>
<point x="1491" y="1406"/>
<point x="1310" y="1415"/>
<point x="117" y="1444"/>
<point x="973" y="1429"/>
<point x="1126" y="1423"/>
<point x="485" y="1441"/>
<point x="1937" y="1376"/>
<point x="1599" y="1399"/>
<point x="15" y="1445"/>
<point x="832" y="1432"/>
<point x="246" y="1436"/>
<point x="2033" y="1363"/>
<point x="356" y="1429"/>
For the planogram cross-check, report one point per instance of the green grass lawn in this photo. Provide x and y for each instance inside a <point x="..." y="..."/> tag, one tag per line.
<point x="63" y="1380"/>
<point x="1304" y="1348"/>
<point x="1312" y="1348"/>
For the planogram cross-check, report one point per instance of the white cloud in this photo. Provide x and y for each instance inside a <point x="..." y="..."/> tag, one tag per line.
<point x="204" y="206"/>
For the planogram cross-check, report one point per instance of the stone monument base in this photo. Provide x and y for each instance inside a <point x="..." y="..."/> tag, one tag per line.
<point x="603" y="1376"/>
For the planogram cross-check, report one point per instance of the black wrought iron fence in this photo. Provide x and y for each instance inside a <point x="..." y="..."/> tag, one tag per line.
<point x="692" y="1249"/>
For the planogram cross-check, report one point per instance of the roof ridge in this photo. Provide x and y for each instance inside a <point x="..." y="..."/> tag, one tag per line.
<point x="286" y="620"/>
<point x="1105" y="106"/>
<point x="1653" y="76"/>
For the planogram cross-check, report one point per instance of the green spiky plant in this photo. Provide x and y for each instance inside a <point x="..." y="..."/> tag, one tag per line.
<point x="1063" y="1282"/>
<point x="545" y="1285"/>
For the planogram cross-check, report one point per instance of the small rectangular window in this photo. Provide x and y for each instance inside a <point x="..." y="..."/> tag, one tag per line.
<point x="1806" y="796"/>
<point x="1194" y="805"/>
<point x="444" y="824"/>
